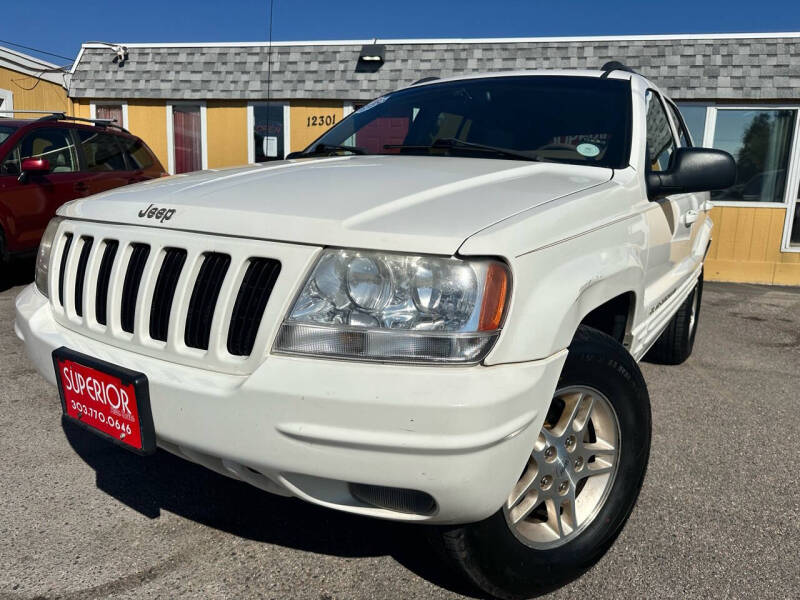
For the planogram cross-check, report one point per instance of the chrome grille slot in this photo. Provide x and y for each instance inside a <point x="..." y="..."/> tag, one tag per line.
<point x="204" y="299"/>
<point x="62" y="271"/>
<point x="164" y="293"/>
<point x="130" y="289"/>
<point x="80" y="275"/>
<point x="254" y="293"/>
<point x="103" y="278"/>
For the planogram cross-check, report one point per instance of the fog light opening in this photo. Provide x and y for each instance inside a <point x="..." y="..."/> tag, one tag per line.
<point x="394" y="499"/>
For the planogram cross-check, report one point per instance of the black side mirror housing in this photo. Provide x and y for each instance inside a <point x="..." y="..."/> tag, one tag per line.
<point x="693" y="170"/>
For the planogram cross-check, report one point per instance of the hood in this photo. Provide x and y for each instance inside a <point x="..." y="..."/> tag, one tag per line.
<point x="404" y="203"/>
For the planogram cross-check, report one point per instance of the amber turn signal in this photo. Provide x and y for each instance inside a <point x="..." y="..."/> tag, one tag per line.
<point x="495" y="292"/>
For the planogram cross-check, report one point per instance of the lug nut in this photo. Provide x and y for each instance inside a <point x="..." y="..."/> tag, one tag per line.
<point x="547" y="480"/>
<point x="579" y="463"/>
<point x="550" y="452"/>
<point x="570" y="442"/>
<point x="563" y="487"/>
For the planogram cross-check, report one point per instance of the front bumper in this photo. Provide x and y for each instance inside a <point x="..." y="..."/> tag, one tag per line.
<point x="308" y="427"/>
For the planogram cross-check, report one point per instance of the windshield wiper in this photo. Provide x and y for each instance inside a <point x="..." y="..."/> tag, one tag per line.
<point x="322" y="148"/>
<point x="451" y="143"/>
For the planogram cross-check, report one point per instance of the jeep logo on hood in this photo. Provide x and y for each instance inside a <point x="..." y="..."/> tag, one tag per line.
<point x="159" y="214"/>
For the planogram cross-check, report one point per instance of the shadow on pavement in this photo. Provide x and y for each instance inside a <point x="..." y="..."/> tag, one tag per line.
<point x="16" y="272"/>
<point x="164" y="481"/>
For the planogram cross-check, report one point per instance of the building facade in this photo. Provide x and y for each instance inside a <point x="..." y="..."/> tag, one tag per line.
<point x="28" y="83"/>
<point x="217" y="105"/>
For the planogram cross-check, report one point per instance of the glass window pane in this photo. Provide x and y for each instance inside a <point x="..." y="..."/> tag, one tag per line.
<point x="660" y="141"/>
<point x="54" y="145"/>
<point x="795" y="236"/>
<point x="187" y="138"/>
<point x="112" y="112"/>
<point x="760" y="141"/>
<point x="569" y="119"/>
<point x="268" y="131"/>
<point x="101" y="151"/>
<point x="695" y="118"/>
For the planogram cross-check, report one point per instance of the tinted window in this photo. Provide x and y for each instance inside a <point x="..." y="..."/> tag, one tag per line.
<point x="53" y="145"/>
<point x="683" y="135"/>
<point x="694" y="117"/>
<point x="136" y="153"/>
<point x="5" y="132"/>
<point x="101" y="151"/>
<point x="568" y="119"/>
<point x="660" y="142"/>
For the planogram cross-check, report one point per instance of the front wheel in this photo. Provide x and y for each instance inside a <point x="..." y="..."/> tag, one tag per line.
<point x="578" y="486"/>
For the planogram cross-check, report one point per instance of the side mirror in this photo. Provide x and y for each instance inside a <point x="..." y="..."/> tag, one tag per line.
<point x="33" y="166"/>
<point x="693" y="170"/>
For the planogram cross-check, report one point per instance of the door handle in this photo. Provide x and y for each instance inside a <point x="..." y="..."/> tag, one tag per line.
<point x="81" y="187"/>
<point x="689" y="217"/>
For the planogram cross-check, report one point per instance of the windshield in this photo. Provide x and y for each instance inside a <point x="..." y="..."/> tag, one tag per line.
<point x="5" y="132"/>
<point x="583" y="120"/>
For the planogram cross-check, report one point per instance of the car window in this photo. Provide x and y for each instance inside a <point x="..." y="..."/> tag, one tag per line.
<point x="660" y="141"/>
<point x="136" y="153"/>
<point x="580" y="120"/>
<point x="683" y="134"/>
<point x="53" y="145"/>
<point x="5" y="132"/>
<point x="101" y="151"/>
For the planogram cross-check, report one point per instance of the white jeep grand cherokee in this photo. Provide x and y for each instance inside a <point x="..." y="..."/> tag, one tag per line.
<point x="432" y="314"/>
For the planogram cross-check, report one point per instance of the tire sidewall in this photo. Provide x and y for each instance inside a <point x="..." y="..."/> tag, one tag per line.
<point x="518" y="568"/>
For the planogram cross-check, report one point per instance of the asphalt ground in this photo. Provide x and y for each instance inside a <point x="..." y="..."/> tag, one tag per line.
<point x="718" y="517"/>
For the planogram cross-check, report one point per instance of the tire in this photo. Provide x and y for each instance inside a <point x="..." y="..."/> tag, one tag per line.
<point x="676" y="342"/>
<point x="505" y="560"/>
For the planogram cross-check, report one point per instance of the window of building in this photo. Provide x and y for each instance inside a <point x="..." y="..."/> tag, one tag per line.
<point x="186" y="137"/>
<point x="760" y="141"/>
<point x="111" y="112"/>
<point x="694" y="115"/>
<point x="269" y="131"/>
<point x="794" y="238"/>
<point x="53" y="145"/>
<point x="660" y="141"/>
<point x="101" y="152"/>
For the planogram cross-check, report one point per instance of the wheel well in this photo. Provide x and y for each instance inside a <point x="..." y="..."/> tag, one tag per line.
<point x="612" y="317"/>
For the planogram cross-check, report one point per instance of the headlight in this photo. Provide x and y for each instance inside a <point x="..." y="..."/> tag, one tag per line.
<point x="43" y="257"/>
<point x="392" y="307"/>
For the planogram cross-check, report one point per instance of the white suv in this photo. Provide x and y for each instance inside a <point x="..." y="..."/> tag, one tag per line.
<point x="433" y="314"/>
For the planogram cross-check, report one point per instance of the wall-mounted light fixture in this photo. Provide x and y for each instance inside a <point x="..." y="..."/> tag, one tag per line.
<point x="372" y="53"/>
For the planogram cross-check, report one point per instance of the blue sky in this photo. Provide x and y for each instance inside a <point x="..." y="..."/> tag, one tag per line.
<point x="246" y="20"/>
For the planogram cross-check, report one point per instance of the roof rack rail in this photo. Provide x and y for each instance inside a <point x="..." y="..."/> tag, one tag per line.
<point x="615" y="65"/>
<point x="58" y="115"/>
<point x="424" y="80"/>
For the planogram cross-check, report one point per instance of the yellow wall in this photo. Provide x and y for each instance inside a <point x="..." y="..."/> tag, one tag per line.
<point x="746" y="247"/>
<point x="31" y="94"/>
<point x="302" y="131"/>
<point x="148" y="120"/>
<point x="226" y="124"/>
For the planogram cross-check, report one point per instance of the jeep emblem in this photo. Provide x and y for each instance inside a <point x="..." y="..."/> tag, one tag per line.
<point x="159" y="214"/>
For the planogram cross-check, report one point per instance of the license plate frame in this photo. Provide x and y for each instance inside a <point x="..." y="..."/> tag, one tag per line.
<point x="127" y="377"/>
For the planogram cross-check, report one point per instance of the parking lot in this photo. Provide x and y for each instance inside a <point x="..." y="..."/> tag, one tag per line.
<point x="719" y="515"/>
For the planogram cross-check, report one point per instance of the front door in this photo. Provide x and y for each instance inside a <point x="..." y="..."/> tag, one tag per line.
<point x="673" y="220"/>
<point x="32" y="202"/>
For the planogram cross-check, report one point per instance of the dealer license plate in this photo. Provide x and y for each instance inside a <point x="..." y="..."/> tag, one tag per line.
<point x="106" y="399"/>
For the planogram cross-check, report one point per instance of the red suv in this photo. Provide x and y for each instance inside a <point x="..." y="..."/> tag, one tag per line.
<point x="46" y="162"/>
